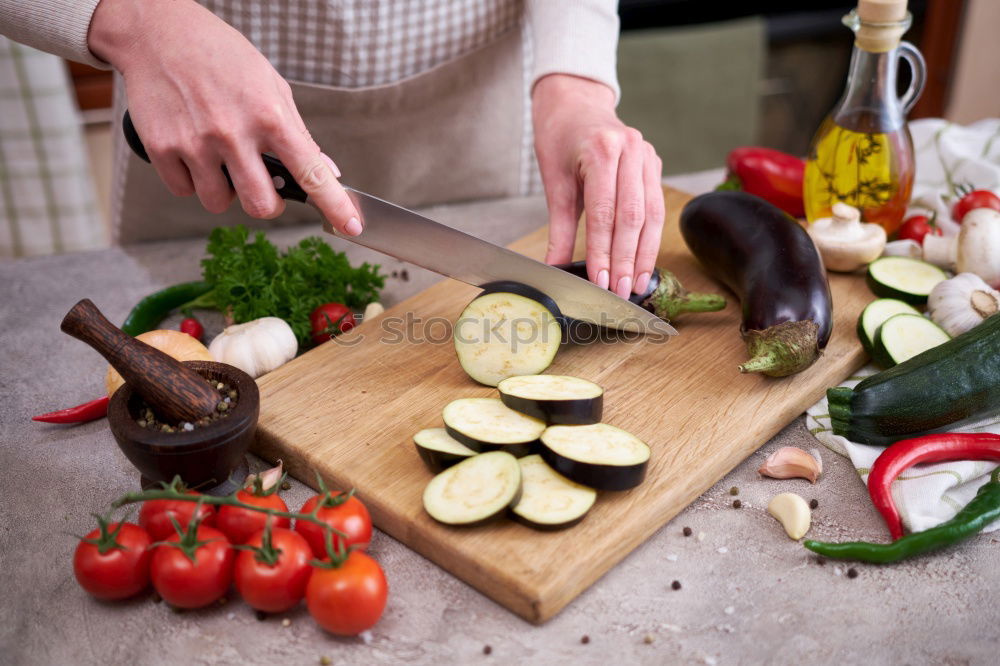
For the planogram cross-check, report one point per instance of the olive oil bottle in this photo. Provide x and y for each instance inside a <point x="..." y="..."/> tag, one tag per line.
<point x="862" y="153"/>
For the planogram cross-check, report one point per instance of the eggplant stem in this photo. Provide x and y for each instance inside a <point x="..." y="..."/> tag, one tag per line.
<point x="671" y="299"/>
<point x="782" y="349"/>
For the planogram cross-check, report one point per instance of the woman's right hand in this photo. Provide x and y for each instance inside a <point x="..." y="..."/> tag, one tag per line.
<point x="202" y="96"/>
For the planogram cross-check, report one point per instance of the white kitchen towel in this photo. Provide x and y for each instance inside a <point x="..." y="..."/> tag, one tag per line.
<point x="949" y="157"/>
<point x="925" y="495"/>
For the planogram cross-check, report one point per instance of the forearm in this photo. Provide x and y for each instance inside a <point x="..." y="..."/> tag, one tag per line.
<point x="56" y="26"/>
<point x="576" y="37"/>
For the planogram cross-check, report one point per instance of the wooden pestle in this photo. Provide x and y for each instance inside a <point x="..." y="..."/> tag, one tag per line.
<point x="174" y="390"/>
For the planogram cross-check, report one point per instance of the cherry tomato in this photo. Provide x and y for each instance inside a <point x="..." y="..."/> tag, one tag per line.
<point x="122" y="570"/>
<point x="974" y="199"/>
<point x="277" y="587"/>
<point x="347" y="515"/>
<point x="916" y="227"/>
<point x="350" y="598"/>
<point x="192" y="327"/>
<point x="154" y="516"/>
<point x="188" y="584"/>
<point x="240" y="524"/>
<point x="324" y="321"/>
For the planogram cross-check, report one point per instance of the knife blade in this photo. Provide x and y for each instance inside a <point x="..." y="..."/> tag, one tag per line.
<point x="411" y="237"/>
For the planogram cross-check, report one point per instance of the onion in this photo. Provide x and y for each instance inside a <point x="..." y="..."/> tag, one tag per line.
<point x="180" y="346"/>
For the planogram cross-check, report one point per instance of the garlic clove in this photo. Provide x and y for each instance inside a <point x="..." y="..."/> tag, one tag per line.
<point x="790" y="462"/>
<point x="792" y="512"/>
<point x="372" y="310"/>
<point x="268" y="478"/>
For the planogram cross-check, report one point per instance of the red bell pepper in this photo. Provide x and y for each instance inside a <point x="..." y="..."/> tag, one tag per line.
<point x="769" y="174"/>
<point x="88" y="411"/>
<point x="926" y="449"/>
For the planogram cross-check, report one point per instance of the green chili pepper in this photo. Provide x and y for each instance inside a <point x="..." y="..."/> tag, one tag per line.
<point x="150" y="311"/>
<point x="977" y="514"/>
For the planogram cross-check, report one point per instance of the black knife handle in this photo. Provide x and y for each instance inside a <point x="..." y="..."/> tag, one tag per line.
<point x="284" y="183"/>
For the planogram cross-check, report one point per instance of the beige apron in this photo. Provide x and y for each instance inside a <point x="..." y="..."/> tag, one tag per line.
<point x="452" y="133"/>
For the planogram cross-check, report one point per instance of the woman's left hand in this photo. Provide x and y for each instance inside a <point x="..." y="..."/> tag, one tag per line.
<point x="590" y="160"/>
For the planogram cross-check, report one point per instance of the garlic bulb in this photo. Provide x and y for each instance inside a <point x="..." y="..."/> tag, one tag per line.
<point x="962" y="303"/>
<point x="976" y="249"/>
<point x="173" y="343"/>
<point x="256" y="347"/>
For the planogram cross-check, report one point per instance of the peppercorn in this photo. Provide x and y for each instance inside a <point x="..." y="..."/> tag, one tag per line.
<point x="737" y="504"/>
<point x="648" y="639"/>
<point x="585" y="639"/>
<point x="852" y="573"/>
<point x="820" y="560"/>
<point x="687" y="531"/>
<point x="285" y="485"/>
<point x="676" y="585"/>
<point x="487" y="649"/>
<point x="734" y="491"/>
<point x="325" y="661"/>
<point x="813" y="503"/>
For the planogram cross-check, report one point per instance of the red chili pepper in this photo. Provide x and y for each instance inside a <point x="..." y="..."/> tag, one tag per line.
<point x="88" y="411"/>
<point x="769" y="174"/>
<point x="926" y="449"/>
<point x="192" y="327"/>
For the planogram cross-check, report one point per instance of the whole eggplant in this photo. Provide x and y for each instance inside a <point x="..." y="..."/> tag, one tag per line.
<point x="771" y="264"/>
<point x="665" y="296"/>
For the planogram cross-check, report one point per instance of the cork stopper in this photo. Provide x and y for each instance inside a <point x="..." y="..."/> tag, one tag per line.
<point x="880" y="24"/>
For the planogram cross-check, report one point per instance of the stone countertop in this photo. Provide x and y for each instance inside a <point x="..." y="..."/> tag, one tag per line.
<point x="748" y="594"/>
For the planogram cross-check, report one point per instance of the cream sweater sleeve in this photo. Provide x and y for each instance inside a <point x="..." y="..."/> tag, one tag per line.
<point x="56" y="26"/>
<point x="578" y="37"/>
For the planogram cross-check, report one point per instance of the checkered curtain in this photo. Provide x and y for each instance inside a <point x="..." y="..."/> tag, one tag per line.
<point x="47" y="197"/>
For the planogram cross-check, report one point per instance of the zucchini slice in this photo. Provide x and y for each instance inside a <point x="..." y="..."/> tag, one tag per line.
<point x="556" y="399"/>
<point x="599" y="455"/>
<point x="486" y="424"/>
<point x="475" y="491"/>
<point x="875" y="314"/>
<point x="904" y="278"/>
<point x="903" y="336"/>
<point x="439" y="450"/>
<point x="550" y="501"/>
<point x="510" y="329"/>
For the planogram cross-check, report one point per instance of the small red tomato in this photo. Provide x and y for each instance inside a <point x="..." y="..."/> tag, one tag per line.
<point x="328" y="318"/>
<point x="188" y="584"/>
<point x="972" y="200"/>
<point x="240" y="524"/>
<point x="341" y="512"/>
<point x="916" y="227"/>
<point x="154" y="516"/>
<point x="192" y="327"/>
<point x="274" y="585"/>
<point x="112" y="562"/>
<point x="349" y="598"/>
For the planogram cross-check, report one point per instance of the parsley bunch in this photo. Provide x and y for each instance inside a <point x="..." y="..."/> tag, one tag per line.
<point x="253" y="279"/>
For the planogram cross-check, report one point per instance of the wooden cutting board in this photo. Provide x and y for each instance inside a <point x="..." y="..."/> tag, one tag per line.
<point x="350" y="409"/>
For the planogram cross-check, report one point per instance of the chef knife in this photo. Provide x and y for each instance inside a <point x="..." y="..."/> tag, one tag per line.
<point x="408" y="236"/>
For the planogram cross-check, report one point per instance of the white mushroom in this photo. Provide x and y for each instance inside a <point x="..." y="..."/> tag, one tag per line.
<point x="976" y="249"/>
<point x="846" y="243"/>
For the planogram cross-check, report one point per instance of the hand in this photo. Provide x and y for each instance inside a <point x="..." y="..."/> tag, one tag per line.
<point x="201" y="96"/>
<point x="591" y="160"/>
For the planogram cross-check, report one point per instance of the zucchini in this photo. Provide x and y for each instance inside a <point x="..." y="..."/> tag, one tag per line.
<point x="475" y="491"/>
<point x="954" y="384"/>
<point x="486" y="424"/>
<point x="875" y="314"/>
<point x="549" y="501"/>
<point x="556" y="399"/>
<point x="599" y="455"/>
<point x="903" y="336"/>
<point x="904" y="278"/>
<point x="439" y="450"/>
<point x="510" y="329"/>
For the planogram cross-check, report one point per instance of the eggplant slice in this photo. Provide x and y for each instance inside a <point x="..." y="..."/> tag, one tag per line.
<point x="600" y="456"/>
<point x="439" y="450"/>
<point x="550" y="501"/>
<point x="556" y="399"/>
<point x="475" y="491"/>
<point x="510" y="329"/>
<point x="486" y="424"/>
